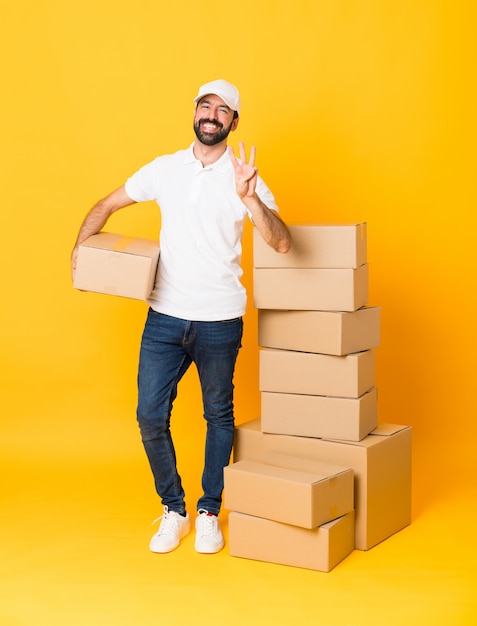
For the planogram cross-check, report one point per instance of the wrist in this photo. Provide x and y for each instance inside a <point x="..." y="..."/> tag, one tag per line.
<point x="251" y="201"/>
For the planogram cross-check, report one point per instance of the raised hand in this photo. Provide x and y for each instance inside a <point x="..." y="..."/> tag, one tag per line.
<point x="245" y="173"/>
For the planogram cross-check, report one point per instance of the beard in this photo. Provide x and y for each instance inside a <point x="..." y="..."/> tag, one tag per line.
<point x="211" y="139"/>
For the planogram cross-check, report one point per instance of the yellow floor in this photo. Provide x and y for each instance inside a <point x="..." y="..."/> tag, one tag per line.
<point x="76" y="507"/>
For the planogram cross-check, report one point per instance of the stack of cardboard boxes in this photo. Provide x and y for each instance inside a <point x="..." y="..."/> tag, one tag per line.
<point x="315" y="476"/>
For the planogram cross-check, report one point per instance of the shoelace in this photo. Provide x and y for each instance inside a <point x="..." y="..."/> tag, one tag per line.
<point x="208" y="523"/>
<point x="169" y="523"/>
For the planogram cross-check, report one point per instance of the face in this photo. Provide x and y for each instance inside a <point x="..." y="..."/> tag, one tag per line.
<point x="213" y="120"/>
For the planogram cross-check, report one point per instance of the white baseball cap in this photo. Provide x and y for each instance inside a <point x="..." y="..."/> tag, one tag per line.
<point x="225" y="90"/>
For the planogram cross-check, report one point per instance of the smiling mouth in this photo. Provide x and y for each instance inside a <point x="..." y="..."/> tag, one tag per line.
<point x="209" y="127"/>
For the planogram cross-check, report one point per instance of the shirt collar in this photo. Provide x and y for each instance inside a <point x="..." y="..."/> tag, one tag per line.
<point x="222" y="165"/>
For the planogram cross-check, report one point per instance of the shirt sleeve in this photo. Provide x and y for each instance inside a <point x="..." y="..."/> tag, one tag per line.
<point x="265" y="195"/>
<point x="140" y="186"/>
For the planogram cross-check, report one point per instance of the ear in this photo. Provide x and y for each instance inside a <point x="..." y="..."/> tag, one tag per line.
<point x="234" y="124"/>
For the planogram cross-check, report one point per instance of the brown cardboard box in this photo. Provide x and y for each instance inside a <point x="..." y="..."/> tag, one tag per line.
<point x="117" y="265"/>
<point x="297" y="491"/>
<point x="324" y="332"/>
<point x="319" y="416"/>
<point x="310" y="289"/>
<point x="286" y="371"/>
<point x="382" y="468"/>
<point x="316" y="245"/>
<point x="318" y="549"/>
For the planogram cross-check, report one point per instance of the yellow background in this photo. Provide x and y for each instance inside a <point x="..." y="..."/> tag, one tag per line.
<point x="360" y="111"/>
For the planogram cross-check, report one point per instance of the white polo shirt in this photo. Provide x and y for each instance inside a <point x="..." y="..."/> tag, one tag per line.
<point x="202" y="221"/>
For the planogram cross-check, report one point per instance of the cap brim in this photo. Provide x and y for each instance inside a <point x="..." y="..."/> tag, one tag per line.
<point x="214" y="93"/>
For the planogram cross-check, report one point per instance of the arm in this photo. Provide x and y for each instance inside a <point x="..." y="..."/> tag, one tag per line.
<point x="97" y="218"/>
<point x="270" y="225"/>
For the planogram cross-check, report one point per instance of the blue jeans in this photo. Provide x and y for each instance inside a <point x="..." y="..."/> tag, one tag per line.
<point x="169" y="345"/>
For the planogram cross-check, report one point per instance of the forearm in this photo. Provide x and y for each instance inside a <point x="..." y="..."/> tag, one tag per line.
<point x="101" y="212"/>
<point x="272" y="228"/>
<point x="97" y="218"/>
<point x="93" y="222"/>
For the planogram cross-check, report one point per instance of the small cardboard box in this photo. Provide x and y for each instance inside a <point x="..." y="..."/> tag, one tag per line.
<point x="310" y="289"/>
<point x="318" y="549"/>
<point x="324" y="332"/>
<point x="117" y="265"/>
<point x="382" y="468"/>
<point x="296" y="491"/>
<point x="286" y="371"/>
<point x="316" y="245"/>
<point x="325" y="417"/>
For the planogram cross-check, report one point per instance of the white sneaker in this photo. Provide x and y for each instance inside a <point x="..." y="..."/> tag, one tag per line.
<point x="172" y="529"/>
<point x="208" y="539"/>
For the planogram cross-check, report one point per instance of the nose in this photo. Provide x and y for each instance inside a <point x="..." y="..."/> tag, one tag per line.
<point x="212" y="118"/>
<point x="213" y="113"/>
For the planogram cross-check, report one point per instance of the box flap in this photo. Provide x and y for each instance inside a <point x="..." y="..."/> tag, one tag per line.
<point x="387" y="430"/>
<point x="275" y="472"/>
<point x="318" y="468"/>
<point x="123" y="243"/>
<point x="382" y="430"/>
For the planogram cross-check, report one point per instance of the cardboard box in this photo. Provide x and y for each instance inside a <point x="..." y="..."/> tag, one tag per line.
<point x="316" y="245"/>
<point x="382" y="468"/>
<point x="296" y="491"/>
<point x="324" y="332"/>
<point x="318" y="549"/>
<point x="319" y="416"/>
<point x="285" y="371"/>
<point x="117" y="265"/>
<point x="310" y="289"/>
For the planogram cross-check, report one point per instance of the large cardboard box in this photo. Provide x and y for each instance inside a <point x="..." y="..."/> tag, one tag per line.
<point x="318" y="549"/>
<point x="382" y="468"/>
<point x="325" y="332"/>
<point x="310" y="289"/>
<point x="316" y="245"/>
<point x="319" y="416"/>
<point x="296" y="491"/>
<point x="286" y="371"/>
<point x="117" y="265"/>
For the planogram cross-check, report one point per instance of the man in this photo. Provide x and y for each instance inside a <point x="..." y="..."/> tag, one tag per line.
<point x="195" y="315"/>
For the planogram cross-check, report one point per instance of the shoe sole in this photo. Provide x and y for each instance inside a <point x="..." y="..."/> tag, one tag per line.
<point x="209" y="550"/>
